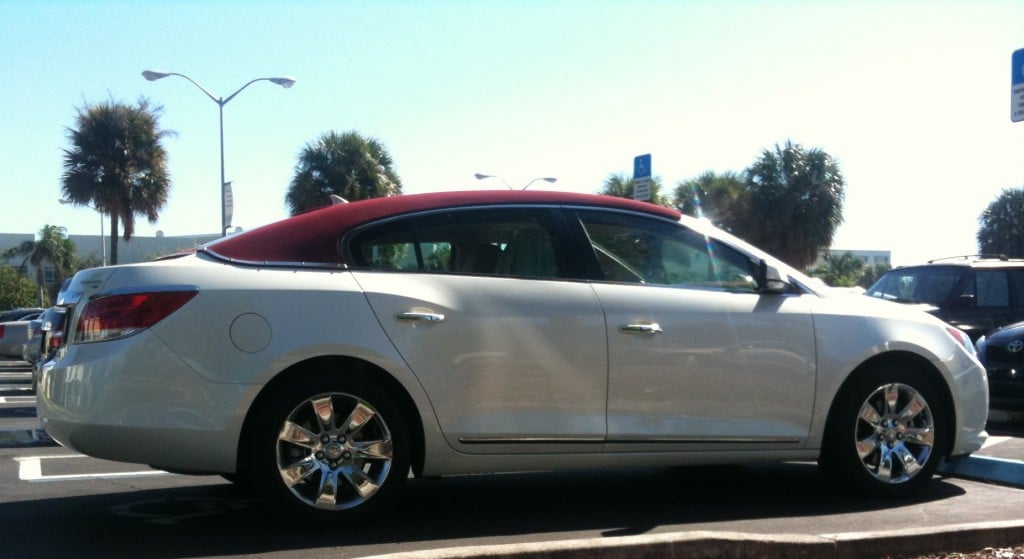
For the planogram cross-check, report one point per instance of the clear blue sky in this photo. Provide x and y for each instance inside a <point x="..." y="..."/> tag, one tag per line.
<point x="912" y="98"/>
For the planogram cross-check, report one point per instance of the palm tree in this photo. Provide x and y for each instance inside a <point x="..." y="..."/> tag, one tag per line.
<point x="840" y="270"/>
<point x="621" y="186"/>
<point x="117" y="164"/>
<point x="871" y="274"/>
<point x="1001" y="225"/>
<point x="348" y="165"/>
<point x="722" y="199"/>
<point x="796" y="202"/>
<point x="52" y="247"/>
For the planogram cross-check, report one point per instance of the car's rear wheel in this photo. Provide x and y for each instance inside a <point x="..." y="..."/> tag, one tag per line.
<point x="331" y="448"/>
<point x="888" y="432"/>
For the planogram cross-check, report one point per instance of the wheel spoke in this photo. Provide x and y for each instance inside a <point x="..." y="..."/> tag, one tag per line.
<point x="298" y="435"/>
<point x="892" y="396"/>
<point x="907" y="458"/>
<point x="328" y="493"/>
<point x="359" y="481"/>
<point x="360" y="415"/>
<point x="373" y="450"/>
<point x="869" y="415"/>
<point x="922" y="436"/>
<point x="324" y="409"/>
<point x="915" y="406"/>
<point x="884" y="471"/>
<point x="865" y="447"/>
<point x="296" y="473"/>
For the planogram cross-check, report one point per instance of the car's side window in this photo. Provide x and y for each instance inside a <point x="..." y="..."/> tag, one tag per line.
<point x="393" y="246"/>
<point x="634" y="249"/>
<point x="992" y="288"/>
<point x="1017" y="283"/>
<point x="507" y="242"/>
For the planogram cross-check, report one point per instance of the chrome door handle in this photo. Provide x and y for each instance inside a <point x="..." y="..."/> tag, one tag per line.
<point x="650" y="329"/>
<point x="421" y="317"/>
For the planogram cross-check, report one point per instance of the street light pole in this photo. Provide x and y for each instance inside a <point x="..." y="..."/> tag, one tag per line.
<point x="103" y="242"/>
<point x="482" y="176"/>
<point x="221" y="101"/>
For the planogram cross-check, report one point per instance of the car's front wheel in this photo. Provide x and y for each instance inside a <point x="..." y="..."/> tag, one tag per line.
<point x="888" y="431"/>
<point x="331" y="447"/>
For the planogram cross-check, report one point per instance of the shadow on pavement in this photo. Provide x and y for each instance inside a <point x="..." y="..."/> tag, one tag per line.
<point x="221" y="519"/>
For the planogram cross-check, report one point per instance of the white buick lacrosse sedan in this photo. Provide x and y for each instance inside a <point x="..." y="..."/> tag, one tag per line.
<point x="322" y="357"/>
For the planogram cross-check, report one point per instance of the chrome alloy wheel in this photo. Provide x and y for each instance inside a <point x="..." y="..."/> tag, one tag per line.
<point x="895" y="433"/>
<point x="334" y="451"/>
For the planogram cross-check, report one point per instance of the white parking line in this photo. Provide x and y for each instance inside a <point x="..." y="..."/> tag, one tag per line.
<point x="30" y="468"/>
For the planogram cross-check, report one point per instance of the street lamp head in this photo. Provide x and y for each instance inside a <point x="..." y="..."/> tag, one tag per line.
<point x="283" y="82"/>
<point x="545" y="179"/>
<point x="153" y="76"/>
<point x="481" y="176"/>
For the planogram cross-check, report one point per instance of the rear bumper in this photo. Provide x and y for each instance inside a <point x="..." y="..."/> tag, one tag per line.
<point x="133" y="400"/>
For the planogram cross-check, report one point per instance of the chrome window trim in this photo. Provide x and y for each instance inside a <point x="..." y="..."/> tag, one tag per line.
<point x="272" y="263"/>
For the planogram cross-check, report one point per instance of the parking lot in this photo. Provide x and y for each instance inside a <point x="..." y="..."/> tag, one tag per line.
<point x="59" y="503"/>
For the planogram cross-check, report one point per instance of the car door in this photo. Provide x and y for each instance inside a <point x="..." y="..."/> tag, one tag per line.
<point x="698" y="359"/>
<point x="512" y="354"/>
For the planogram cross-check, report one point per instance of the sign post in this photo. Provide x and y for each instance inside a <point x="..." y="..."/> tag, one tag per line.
<point x="1017" y="87"/>
<point x="642" y="177"/>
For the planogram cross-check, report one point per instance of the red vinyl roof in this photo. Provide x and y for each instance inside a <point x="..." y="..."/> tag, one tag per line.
<point x="313" y="237"/>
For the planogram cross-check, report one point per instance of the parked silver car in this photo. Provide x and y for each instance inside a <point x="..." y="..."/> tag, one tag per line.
<point x="324" y="356"/>
<point x="15" y="335"/>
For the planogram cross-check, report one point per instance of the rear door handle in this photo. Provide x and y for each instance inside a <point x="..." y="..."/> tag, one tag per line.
<point x="421" y="317"/>
<point x="648" y="329"/>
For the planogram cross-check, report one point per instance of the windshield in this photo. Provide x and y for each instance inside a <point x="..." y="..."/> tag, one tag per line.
<point x="932" y="285"/>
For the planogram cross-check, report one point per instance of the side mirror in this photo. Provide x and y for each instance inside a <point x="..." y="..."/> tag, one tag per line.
<point x="769" y="279"/>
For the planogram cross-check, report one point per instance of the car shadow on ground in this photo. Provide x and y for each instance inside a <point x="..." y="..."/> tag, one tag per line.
<point x="221" y="519"/>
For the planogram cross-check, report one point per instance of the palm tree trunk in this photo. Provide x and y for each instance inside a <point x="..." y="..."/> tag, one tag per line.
<point x="113" y="238"/>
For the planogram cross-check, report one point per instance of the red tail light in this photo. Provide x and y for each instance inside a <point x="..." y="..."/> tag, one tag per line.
<point x="117" y="316"/>
<point x="53" y="343"/>
<point x="2" y="330"/>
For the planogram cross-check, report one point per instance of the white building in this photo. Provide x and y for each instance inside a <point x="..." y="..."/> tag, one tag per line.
<point x="870" y="258"/>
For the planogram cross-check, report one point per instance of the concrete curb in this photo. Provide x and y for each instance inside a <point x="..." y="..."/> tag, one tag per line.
<point x="704" y="544"/>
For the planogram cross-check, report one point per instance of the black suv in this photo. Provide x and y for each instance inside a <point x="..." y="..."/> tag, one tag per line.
<point x="974" y="293"/>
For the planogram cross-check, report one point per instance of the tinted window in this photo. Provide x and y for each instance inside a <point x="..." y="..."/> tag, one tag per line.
<point x="1017" y="281"/>
<point x="508" y="242"/>
<point x="992" y="288"/>
<point x="639" y="250"/>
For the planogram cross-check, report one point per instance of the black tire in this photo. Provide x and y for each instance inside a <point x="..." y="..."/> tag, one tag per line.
<point x="887" y="433"/>
<point x="333" y="448"/>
